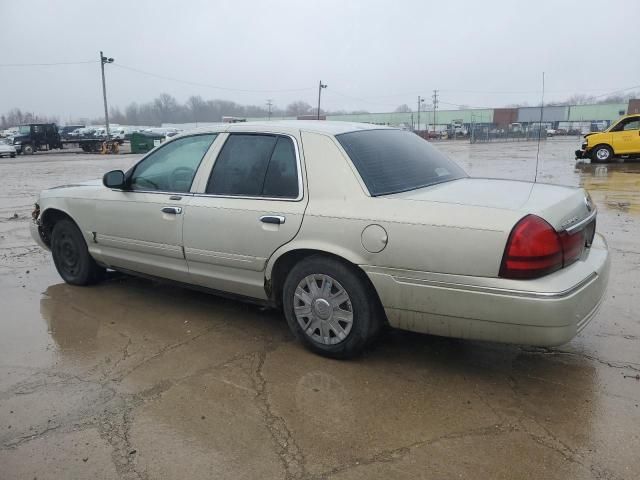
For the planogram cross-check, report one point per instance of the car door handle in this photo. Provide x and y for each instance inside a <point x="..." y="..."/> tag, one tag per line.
<point x="172" y="210"/>
<point x="275" y="219"/>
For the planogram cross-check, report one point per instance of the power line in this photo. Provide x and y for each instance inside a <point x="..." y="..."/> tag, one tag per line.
<point x="199" y="84"/>
<point x="45" y="64"/>
<point x="617" y="91"/>
<point x="360" y="99"/>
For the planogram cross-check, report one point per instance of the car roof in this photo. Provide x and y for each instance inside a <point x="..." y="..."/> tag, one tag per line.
<point x="288" y="127"/>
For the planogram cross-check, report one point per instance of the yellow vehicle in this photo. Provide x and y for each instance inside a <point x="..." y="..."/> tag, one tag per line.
<point x="621" y="138"/>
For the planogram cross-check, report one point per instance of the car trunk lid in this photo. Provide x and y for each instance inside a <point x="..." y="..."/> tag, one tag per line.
<point x="560" y="206"/>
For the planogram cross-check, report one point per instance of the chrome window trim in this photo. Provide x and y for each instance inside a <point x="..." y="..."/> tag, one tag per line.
<point x="257" y="197"/>
<point x="577" y="226"/>
<point x="186" y="194"/>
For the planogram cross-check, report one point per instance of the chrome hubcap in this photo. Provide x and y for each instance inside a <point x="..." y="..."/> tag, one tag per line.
<point x="323" y="309"/>
<point x="602" y="154"/>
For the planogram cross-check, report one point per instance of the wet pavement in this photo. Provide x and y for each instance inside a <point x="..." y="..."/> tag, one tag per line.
<point x="133" y="379"/>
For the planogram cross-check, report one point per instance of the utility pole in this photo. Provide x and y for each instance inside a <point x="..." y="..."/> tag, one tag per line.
<point x="435" y="108"/>
<point x="320" y="87"/>
<point x="104" y="60"/>
<point x="269" y="104"/>
<point x="420" y="101"/>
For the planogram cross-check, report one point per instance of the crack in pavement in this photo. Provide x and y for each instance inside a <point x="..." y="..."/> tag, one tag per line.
<point x="288" y="451"/>
<point x="166" y="349"/>
<point x="399" y="453"/>
<point x="608" y="363"/>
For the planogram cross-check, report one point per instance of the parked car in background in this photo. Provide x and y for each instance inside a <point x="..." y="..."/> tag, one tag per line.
<point x="9" y="132"/>
<point x="6" y="149"/>
<point x="622" y="138"/>
<point x="118" y="133"/>
<point x="65" y="132"/>
<point x="86" y="132"/>
<point x="345" y="227"/>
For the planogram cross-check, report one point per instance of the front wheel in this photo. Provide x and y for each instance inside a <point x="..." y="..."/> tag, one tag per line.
<point x="27" y="149"/>
<point x="602" y="153"/>
<point x="71" y="256"/>
<point x="330" y="307"/>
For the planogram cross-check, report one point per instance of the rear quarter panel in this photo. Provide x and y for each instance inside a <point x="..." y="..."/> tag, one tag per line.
<point x="425" y="236"/>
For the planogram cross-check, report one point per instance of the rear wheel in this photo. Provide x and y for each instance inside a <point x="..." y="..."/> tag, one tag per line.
<point x="602" y="153"/>
<point x="71" y="256"/>
<point x="330" y="308"/>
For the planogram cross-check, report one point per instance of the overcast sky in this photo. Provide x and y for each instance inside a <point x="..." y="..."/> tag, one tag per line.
<point x="374" y="55"/>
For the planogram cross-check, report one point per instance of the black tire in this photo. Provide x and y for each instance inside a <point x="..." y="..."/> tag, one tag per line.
<point x="13" y="155"/>
<point x="71" y="257"/>
<point x="367" y="313"/>
<point x="602" y="153"/>
<point x="27" y="149"/>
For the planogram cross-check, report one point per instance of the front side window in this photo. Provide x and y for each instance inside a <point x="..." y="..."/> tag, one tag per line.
<point x="252" y="165"/>
<point x="173" y="166"/>
<point x="626" y="124"/>
<point x="392" y="161"/>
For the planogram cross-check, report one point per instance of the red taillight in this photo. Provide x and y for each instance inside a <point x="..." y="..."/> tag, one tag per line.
<point x="535" y="249"/>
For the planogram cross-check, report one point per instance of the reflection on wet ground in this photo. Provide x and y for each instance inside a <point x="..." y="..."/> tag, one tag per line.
<point x="134" y="379"/>
<point x="615" y="185"/>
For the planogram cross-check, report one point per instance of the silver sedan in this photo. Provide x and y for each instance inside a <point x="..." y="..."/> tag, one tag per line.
<point x="346" y="228"/>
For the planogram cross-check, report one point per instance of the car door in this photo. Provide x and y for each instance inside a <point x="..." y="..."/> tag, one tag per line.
<point x="140" y="228"/>
<point x="252" y="202"/>
<point x="626" y="137"/>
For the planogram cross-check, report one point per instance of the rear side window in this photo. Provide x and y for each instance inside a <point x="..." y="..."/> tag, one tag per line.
<point x="392" y="161"/>
<point x="255" y="166"/>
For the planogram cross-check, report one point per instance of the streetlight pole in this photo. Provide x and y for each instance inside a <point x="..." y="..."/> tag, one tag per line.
<point x="104" y="60"/>
<point x="420" y="101"/>
<point x="320" y="87"/>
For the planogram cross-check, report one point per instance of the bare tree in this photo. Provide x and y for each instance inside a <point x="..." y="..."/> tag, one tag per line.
<point x="404" y="108"/>
<point x="166" y="106"/>
<point x="197" y="108"/>
<point x="298" y="108"/>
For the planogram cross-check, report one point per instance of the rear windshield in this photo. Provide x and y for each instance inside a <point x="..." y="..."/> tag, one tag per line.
<point x="392" y="161"/>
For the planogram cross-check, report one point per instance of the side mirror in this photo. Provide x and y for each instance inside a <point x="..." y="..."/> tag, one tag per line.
<point x="114" y="179"/>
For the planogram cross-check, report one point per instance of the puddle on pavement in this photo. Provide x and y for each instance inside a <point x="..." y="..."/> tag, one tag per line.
<point x="615" y="186"/>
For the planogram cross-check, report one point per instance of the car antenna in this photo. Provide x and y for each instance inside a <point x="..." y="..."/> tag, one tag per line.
<point x="535" y="179"/>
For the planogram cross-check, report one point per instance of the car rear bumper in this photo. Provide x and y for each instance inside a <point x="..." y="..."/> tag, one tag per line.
<point x="544" y="312"/>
